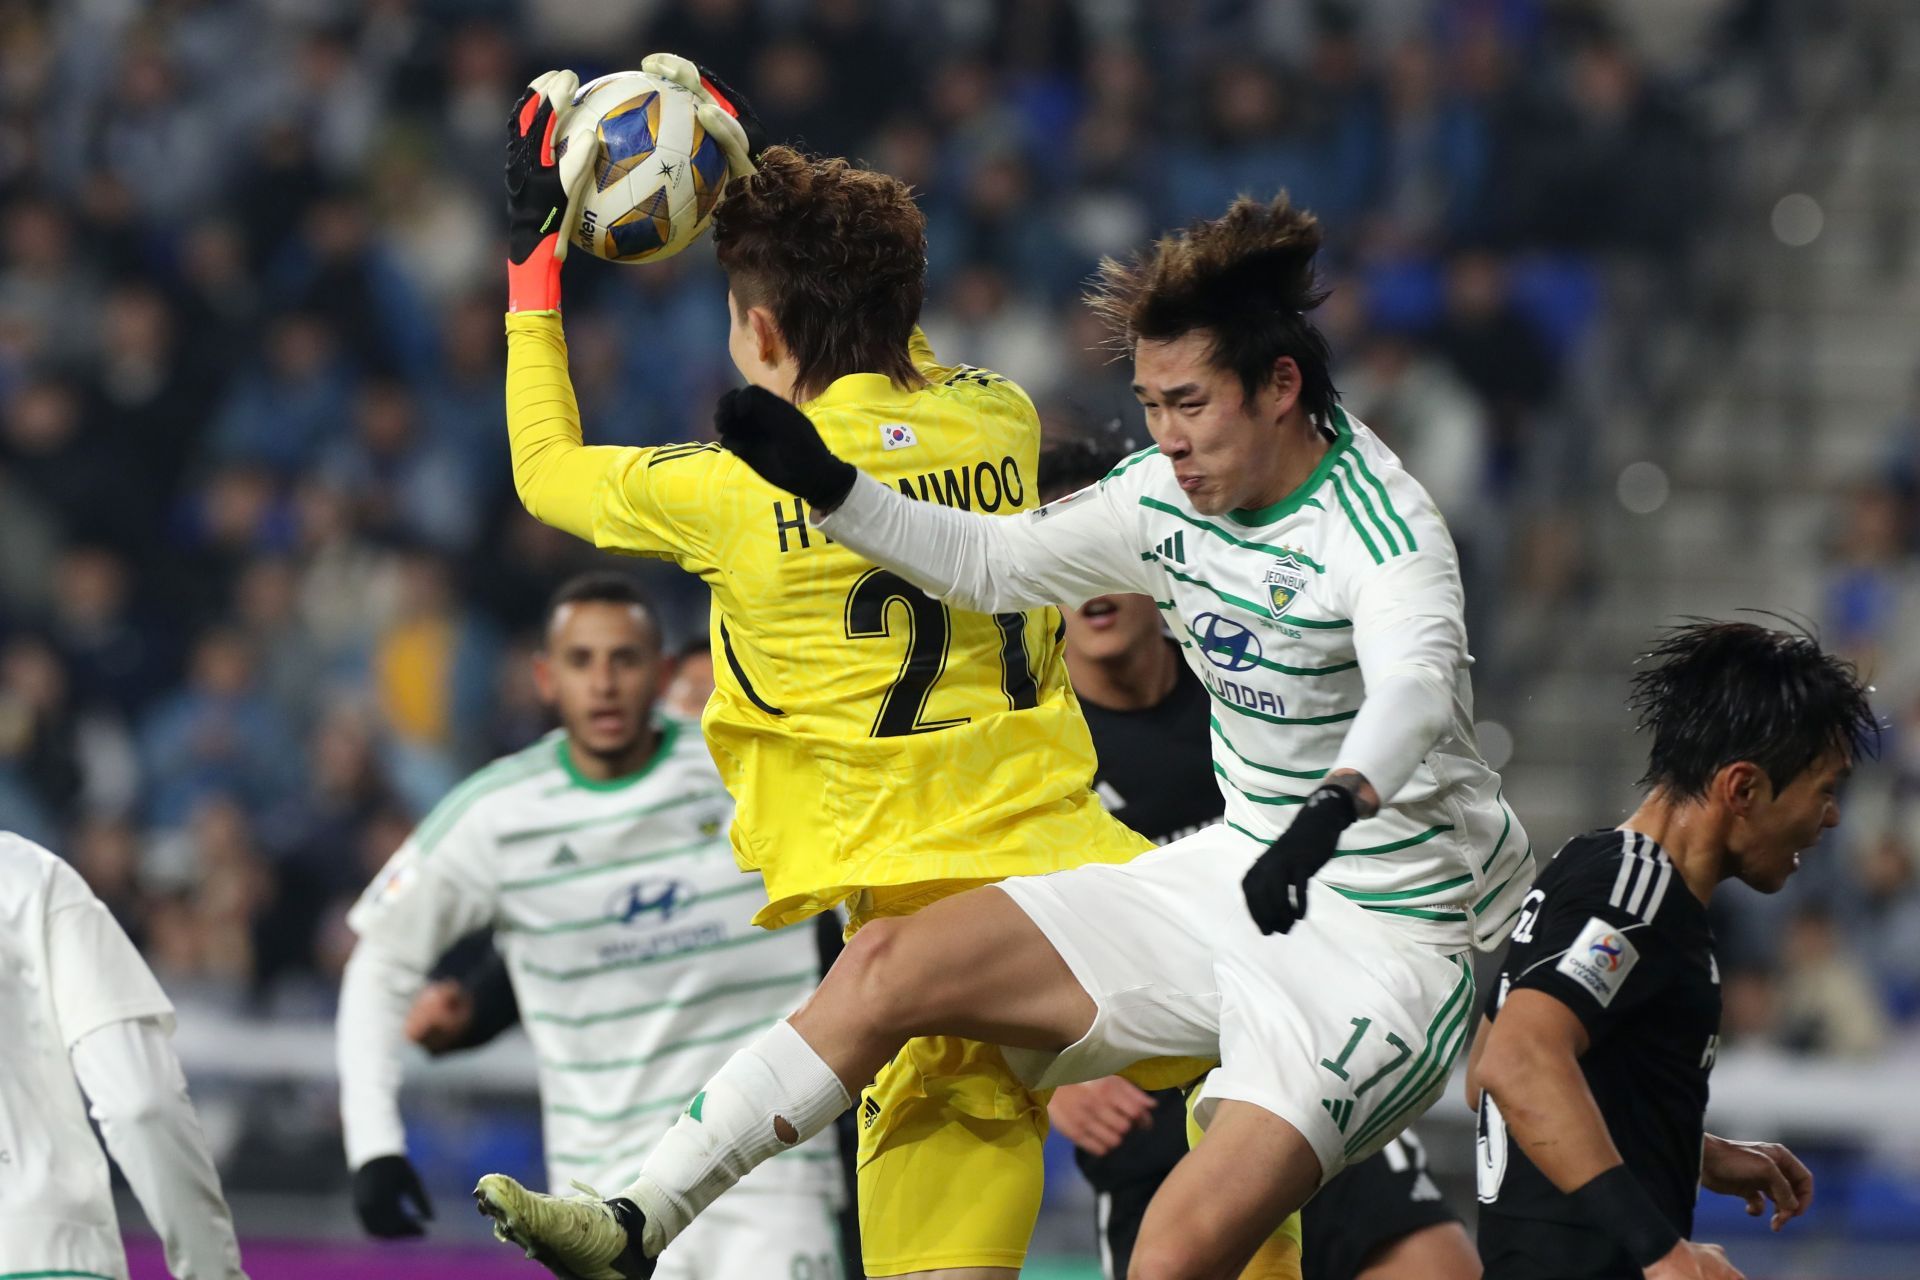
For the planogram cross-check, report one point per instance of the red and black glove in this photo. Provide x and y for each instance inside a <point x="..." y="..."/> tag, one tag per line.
<point x="722" y="112"/>
<point x="539" y="195"/>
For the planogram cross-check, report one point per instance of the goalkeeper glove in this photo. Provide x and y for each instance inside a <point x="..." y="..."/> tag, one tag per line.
<point x="780" y="443"/>
<point x="722" y="112"/>
<point x="542" y="181"/>
<point x="1276" y="887"/>
<point x="382" y="1188"/>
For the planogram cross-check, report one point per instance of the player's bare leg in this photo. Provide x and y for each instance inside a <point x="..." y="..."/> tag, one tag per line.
<point x="973" y="965"/>
<point x="1223" y="1200"/>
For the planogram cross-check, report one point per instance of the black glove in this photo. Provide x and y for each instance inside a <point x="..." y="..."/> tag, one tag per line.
<point x="780" y="443"/>
<point x="382" y="1188"/>
<point x="1276" y="886"/>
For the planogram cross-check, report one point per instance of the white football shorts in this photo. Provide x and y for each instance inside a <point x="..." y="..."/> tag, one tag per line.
<point x="1345" y="1027"/>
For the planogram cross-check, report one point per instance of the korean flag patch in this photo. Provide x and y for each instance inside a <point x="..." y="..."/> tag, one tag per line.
<point x="897" y="435"/>
<point x="1600" y="960"/>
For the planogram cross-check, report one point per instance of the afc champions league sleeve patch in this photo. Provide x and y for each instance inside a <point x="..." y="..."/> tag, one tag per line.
<point x="1600" y="960"/>
<point x="897" y="435"/>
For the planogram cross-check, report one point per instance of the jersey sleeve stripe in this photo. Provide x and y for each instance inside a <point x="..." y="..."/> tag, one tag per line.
<point x="1340" y="492"/>
<point x="727" y="991"/>
<point x="1309" y="774"/>
<point x="1623" y="879"/>
<point x="1386" y="502"/>
<point x="1130" y="461"/>
<point x="500" y="774"/>
<point x="1652" y="888"/>
<point x="1360" y="490"/>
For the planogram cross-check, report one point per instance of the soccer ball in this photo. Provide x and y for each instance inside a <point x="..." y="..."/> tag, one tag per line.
<point x="655" y="173"/>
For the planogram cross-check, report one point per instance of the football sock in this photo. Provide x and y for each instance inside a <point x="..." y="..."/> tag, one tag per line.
<point x="768" y="1097"/>
<point x="1277" y="1259"/>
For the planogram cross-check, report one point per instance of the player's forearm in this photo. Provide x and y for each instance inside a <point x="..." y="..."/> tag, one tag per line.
<point x="139" y="1096"/>
<point x="958" y="556"/>
<point x="1400" y="721"/>
<point x="556" y="476"/>
<point x="1548" y="1108"/>
<point x="370" y="1044"/>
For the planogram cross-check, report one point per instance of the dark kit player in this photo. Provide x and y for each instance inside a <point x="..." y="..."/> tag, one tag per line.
<point x="1592" y="1076"/>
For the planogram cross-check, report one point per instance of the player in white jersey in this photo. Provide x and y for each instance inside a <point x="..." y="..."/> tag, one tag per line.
<point x="599" y="856"/>
<point x="1314" y="587"/>
<point x="80" y="1011"/>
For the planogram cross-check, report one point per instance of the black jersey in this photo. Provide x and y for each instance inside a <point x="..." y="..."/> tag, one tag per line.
<point x="1612" y="932"/>
<point x="1155" y="770"/>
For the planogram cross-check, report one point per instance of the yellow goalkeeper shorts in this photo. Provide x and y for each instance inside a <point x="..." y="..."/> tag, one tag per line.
<point x="950" y="1164"/>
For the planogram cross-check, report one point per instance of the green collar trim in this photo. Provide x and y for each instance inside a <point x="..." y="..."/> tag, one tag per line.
<point x="1342" y="441"/>
<point x="669" y="731"/>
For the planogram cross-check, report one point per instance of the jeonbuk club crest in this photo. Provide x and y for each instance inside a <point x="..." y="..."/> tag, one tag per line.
<point x="1285" y="580"/>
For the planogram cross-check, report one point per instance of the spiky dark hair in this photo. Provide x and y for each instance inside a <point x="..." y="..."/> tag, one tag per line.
<point x="1245" y="278"/>
<point x="1716" y="693"/>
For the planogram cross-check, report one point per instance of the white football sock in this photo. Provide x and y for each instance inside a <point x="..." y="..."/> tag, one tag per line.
<point x="768" y="1097"/>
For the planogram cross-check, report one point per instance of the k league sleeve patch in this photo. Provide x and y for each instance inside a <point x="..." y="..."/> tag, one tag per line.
<point x="1600" y="960"/>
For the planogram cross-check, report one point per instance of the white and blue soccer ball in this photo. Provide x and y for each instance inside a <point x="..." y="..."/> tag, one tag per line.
<point x="656" y="174"/>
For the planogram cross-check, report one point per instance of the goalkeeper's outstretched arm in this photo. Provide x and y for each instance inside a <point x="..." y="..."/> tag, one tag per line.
<point x="555" y="474"/>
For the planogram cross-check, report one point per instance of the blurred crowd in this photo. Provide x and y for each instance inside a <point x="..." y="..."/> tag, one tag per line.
<point x="1833" y="965"/>
<point x="265" y="592"/>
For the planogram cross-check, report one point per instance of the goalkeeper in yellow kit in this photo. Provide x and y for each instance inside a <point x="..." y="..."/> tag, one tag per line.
<point x="884" y="749"/>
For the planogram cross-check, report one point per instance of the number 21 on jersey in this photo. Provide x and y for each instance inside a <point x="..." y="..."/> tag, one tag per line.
<point x="870" y="615"/>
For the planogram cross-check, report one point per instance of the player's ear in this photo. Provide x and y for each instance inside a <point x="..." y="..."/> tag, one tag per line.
<point x="1284" y="386"/>
<point x="768" y="343"/>
<point x="1742" y="786"/>
<point x="543" y="677"/>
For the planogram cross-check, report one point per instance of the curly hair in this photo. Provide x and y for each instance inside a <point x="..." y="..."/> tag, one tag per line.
<point x="1245" y="278"/>
<point x="838" y="253"/>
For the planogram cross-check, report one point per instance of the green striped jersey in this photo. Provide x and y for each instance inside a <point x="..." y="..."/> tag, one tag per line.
<point x="625" y="924"/>
<point x="1263" y="604"/>
<point x="1291" y="615"/>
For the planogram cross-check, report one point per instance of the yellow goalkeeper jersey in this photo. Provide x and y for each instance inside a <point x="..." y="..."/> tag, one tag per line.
<point x="871" y="736"/>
